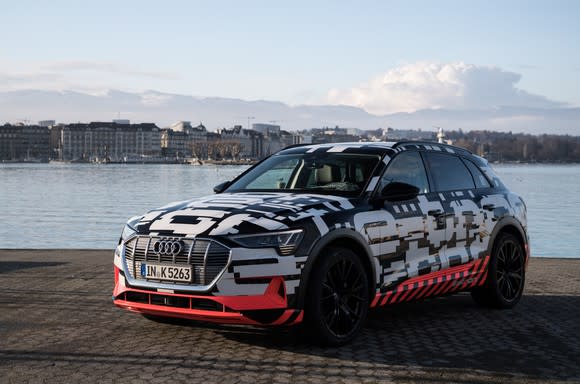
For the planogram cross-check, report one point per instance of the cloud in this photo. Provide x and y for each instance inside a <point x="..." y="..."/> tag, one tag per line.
<point x="155" y="99"/>
<point x="428" y="85"/>
<point x="93" y="77"/>
<point x="9" y="79"/>
<point x="94" y="66"/>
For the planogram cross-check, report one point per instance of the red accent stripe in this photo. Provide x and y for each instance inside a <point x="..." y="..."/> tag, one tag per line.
<point x="435" y="283"/>
<point x="468" y="277"/>
<point x="282" y="319"/>
<point x="299" y="319"/>
<point x="428" y="286"/>
<point x="395" y="298"/>
<point x="482" y="279"/>
<point x="477" y="276"/>
<point x="386" y="297"/>
<point x="444" y="280"/>
<point x="444" y="286"/>
<point x="409" y="289"/>
<point x="271" y="298"/>
<point x="433" y="287"/>
<point x="417" y="290"/>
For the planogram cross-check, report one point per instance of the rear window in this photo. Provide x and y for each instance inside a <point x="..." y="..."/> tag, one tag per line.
<point x="478" y="176"/>
<point x="448" y="172"/>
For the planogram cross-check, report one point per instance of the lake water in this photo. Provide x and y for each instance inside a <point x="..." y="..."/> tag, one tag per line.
<point x="86" y="205"/>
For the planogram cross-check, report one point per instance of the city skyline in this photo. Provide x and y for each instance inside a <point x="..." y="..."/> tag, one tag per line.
<point x="165" y="109"/>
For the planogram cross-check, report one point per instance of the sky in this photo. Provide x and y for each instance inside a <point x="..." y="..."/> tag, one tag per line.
<point x="382" y="56"/>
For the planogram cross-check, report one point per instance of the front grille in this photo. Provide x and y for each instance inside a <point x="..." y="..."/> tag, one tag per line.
<point x="207" y="257"/>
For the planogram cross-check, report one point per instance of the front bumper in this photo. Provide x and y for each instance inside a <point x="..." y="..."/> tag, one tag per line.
<point x="267" y="309"/>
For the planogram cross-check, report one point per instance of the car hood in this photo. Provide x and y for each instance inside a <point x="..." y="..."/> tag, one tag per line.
<point x="239" y="213"/>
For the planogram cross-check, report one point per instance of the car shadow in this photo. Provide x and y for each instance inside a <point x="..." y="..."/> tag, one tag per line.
<point x="11" y="266"/>
<point x="539" y="338"/>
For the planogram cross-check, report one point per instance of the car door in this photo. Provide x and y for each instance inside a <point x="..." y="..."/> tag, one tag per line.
<point x="455" y="186"/>
<point x="412" y="236"/>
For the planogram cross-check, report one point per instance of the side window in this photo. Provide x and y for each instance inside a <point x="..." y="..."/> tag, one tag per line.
<point x="407" y="167"/>
<point x="478" y="176"/>
<point x="448" y="172"/>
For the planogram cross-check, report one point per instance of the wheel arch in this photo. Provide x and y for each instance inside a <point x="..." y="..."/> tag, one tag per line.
<point x="512" y="226"/>
<point x="345" y="238"/>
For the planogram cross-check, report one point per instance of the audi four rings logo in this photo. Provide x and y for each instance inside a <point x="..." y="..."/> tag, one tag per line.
<point x="166" y="247"/>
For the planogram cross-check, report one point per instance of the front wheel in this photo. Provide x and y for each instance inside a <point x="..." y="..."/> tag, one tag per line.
<point x="338" y="297"/>
<point x="506" y="276"/>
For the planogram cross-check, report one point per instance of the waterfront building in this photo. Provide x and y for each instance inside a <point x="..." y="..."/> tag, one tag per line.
<point x="266" y="129"/>
<point x="409" y="134"/>
<point x="182" y="139"/>
<point x="332" y="135"/>
<point x="174" y="143"/>
<point x="24" y="143"/>
<point x="46" y="123"/>
<point x="104" y="141"/>
<point x="274" y="138"/>
<point x="251" y="142"/>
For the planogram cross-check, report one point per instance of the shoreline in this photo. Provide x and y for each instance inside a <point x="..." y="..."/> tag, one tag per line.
<point x="195" y="162"/>
<point x="191" y="162"/>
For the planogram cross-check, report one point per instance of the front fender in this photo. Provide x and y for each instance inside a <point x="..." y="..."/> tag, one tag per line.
<point x="354" y="240"/>
<point x="510" y="224"/>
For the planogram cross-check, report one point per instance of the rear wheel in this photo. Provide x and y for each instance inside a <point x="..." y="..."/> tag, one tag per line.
<point x="506" y="275"/>
<point x="338" y="297"/>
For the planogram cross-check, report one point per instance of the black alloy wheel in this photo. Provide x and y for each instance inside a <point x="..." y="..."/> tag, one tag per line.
<point x="506" y="274"/>
<point x="338" y="300"/>
<point x="510" y="270"/>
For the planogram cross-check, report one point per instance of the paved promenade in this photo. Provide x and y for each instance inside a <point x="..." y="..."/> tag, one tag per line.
<point x="58" y="325"/>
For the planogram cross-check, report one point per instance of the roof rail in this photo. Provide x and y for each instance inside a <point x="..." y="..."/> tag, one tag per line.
<point x="296" y="145"/>
<point x="431" y="143"/>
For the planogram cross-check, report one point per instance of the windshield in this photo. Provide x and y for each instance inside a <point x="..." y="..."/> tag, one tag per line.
<point x="336" y="173"/>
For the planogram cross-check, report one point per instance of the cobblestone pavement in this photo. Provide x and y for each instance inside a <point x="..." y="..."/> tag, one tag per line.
<point x="58" y="325"/>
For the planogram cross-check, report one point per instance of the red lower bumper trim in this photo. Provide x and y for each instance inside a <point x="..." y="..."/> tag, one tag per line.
<point x="263" y="310"/>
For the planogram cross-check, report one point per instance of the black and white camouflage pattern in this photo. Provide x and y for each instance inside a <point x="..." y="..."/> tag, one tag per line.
<point x="404" y="240"/>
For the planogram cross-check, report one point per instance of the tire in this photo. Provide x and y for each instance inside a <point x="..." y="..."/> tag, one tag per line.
<point x="338" y="297"/>
<point x="506" y="275"/>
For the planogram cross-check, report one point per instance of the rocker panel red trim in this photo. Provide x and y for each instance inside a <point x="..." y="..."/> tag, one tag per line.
<point x="449" y="280"/>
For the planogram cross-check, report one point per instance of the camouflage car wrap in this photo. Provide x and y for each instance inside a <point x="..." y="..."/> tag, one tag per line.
<point x="433" y="244"/>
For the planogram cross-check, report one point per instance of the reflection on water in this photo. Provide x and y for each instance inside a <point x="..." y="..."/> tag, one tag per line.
<point x="86" y="205"/>
<point x="552" y="195"/>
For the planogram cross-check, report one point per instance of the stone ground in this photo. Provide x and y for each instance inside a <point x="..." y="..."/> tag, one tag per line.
<point x="58" y="325"/>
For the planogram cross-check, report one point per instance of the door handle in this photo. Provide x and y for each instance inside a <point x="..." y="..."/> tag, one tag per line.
<point x="489" y="207"/>
<point x="435" y="212"/>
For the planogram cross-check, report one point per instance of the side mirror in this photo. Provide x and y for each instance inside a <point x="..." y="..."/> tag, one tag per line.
<point x="397" y="191"/>
<point x="221" y="187"/>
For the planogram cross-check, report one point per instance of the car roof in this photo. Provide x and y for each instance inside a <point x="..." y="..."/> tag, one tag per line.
<point x="375" y="147"/>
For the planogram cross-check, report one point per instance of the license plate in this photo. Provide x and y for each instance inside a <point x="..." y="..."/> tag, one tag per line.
<point x="166" y="272"/>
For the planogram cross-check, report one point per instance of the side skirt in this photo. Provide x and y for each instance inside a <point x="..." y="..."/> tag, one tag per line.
<point x="438" y="283"/>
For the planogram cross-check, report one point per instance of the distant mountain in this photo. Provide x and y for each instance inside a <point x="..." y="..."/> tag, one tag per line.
<point x="215" y="112"/>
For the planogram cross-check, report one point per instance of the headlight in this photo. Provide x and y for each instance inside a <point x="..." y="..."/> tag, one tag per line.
<point x="129" y="229"/>
<point x="285" y="242"/>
